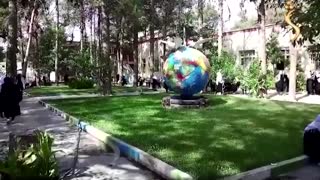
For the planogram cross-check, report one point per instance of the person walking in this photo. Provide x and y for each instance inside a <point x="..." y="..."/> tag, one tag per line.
<point x="11" y="98"/>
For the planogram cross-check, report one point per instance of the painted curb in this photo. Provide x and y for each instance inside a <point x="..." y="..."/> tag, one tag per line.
<point x="161" y="168"/>
<point x="270" y="171"/>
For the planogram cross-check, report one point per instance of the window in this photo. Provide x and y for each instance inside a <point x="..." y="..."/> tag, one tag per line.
<point x="286" y="53"/>
<point x="246" y="57"/>
<point x="314" y="53"/>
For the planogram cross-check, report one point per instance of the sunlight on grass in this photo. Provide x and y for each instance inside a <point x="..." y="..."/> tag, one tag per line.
<point x="232" y="135"/>
<point x="65" y="90"/>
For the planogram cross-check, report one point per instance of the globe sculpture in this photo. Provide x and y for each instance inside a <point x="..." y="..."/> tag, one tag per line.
<point x="186" y="71"/>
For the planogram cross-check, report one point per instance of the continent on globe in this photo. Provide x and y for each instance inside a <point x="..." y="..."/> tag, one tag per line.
<point x="186" y="71"/>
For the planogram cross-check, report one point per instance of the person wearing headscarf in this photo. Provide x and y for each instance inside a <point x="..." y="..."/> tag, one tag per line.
<point x="219" y="82"/>
<point x="310" y="83"/>
<point x="10" y="98"/>
<point x="279" y="82"/>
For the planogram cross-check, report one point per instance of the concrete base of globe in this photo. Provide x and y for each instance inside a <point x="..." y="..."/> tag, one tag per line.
<point x="184" y="102"/>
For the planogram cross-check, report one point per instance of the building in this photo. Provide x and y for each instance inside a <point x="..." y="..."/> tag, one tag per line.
<point x="244" y="43"/>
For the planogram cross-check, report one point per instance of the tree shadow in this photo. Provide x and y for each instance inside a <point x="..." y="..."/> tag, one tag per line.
<point x="230" y="136"/>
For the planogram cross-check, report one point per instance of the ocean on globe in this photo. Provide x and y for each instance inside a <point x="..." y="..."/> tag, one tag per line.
<point x="186" y="71"/>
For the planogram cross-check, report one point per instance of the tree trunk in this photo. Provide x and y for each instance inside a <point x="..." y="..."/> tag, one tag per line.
<point x="82" y="27"/>
<point x="136" y="58"/>
<point x="25" y="60"/>
<point x="263" y="54"/>
<point x="154" y="64"/>
<point x="91" y="37"/>
<point x="11" y="62"/>
<point x="293" y="71"/>
<point x="107" y="66"/>
<point x="37" y="56"/>
<point x="57" y="44"/>
<point x="220" y="28"/>
<point x="22" y="49"/>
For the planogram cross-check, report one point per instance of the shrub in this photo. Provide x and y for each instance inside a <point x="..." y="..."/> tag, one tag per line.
<point x="81" y="84"/>
<point x="226" y="63"/>
<point x="254" y="82"/>
<point x="36" y="160"/>
<point x="301" y="82"/>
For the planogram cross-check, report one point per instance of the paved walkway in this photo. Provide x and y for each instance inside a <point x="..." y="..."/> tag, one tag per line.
<point x="308" y="172"/>
<point x="93" y="163"/>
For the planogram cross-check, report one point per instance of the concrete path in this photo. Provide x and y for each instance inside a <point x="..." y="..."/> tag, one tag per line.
<point x="93" y="163"/>
<point x="308" y="172"/>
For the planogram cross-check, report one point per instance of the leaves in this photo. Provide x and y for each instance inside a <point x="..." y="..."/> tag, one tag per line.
<point x="37" y="161"/>
<point x="274" y="54"/>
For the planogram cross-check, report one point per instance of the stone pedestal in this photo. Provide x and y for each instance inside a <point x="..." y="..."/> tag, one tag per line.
<point x="184" y="102"/>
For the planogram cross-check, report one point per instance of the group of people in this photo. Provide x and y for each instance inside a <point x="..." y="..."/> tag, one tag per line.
<point x="313" y="83"/>
<point x="11" y="94"/>
<point x="282" y="82"/>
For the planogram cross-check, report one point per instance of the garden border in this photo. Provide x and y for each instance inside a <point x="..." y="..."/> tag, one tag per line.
<point x="167" y="171"/>
<point x="269" y="171"/>
<point x="133" y="153"/>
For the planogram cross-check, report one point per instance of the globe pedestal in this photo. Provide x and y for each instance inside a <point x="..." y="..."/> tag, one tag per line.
<point x="184" y="102"/>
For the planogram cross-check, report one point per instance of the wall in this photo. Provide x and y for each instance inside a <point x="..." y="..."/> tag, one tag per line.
<point x="249" y="39"/>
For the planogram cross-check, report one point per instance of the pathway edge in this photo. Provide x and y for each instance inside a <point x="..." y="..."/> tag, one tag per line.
<point x="133" y="153"/>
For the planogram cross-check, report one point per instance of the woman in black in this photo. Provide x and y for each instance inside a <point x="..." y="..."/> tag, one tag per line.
<point x="10" y="95"/>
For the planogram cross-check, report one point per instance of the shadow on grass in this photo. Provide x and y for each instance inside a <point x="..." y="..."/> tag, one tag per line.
<point x="230" y="136"/>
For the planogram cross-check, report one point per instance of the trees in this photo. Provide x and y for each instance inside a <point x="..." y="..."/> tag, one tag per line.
<point x="307" y="16"/>
<point x="274" y="54"/>
<point x="11" y="63"/>
<point x="220" y="28"/>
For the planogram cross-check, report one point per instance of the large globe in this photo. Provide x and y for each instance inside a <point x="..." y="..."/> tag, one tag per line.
<point x="186" y="71"/>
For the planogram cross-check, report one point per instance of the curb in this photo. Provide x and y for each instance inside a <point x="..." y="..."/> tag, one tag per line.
<point x="161" y="168"/>
<point x="270" y="171"/>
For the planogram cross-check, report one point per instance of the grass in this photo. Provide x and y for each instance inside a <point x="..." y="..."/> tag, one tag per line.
<point x="231" y="136"/>
<point x="65" y="90"/>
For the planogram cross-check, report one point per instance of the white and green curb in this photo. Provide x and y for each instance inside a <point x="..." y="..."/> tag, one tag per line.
<point x="133" y="153"/>
<point x="270" y="171"/>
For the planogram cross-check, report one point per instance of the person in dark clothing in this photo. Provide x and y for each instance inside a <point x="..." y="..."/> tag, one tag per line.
<point x="117" y="78"/>
<point x="10" y="95"/>
<point x="19" y="82"/>
<point x="311" y="141"/>
<point x="310" y="83"/>
<point x="317" y="84"/>
<point x="123" y="81"/>
<point x="286" y="83"/>
<point x="280" y="84"/>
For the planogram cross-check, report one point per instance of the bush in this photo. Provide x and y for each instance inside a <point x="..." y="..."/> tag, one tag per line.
<point x="226" y="63"/>
<point x="31" y="160"/>
<point x="81" y="84"/>
<point x="301" y="82"/>
<point x="254" y="82"/>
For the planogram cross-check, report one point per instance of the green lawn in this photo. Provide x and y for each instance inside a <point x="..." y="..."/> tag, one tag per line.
<point x="231" y="136"/>
<point x="65" y="90"/>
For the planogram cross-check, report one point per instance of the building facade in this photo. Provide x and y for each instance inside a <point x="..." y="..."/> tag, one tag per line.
<point x="245" y="43"/>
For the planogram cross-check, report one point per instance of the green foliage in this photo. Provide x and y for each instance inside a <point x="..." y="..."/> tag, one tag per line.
<point x="82" y="83"/>
<point x="301" y="82"/>
<point x="308" y="17"/>
<point x="254" y="81"/>
<point x="248" y="23"/>
<point x="81" y="65"/>
<point x="4" y="12"/>
<point x="226" y="63"/>
<point x="46" y="61"/>
<point x="274" y="54"/>
<point x="2" y="55"/>
<point x="38" y="160"/>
